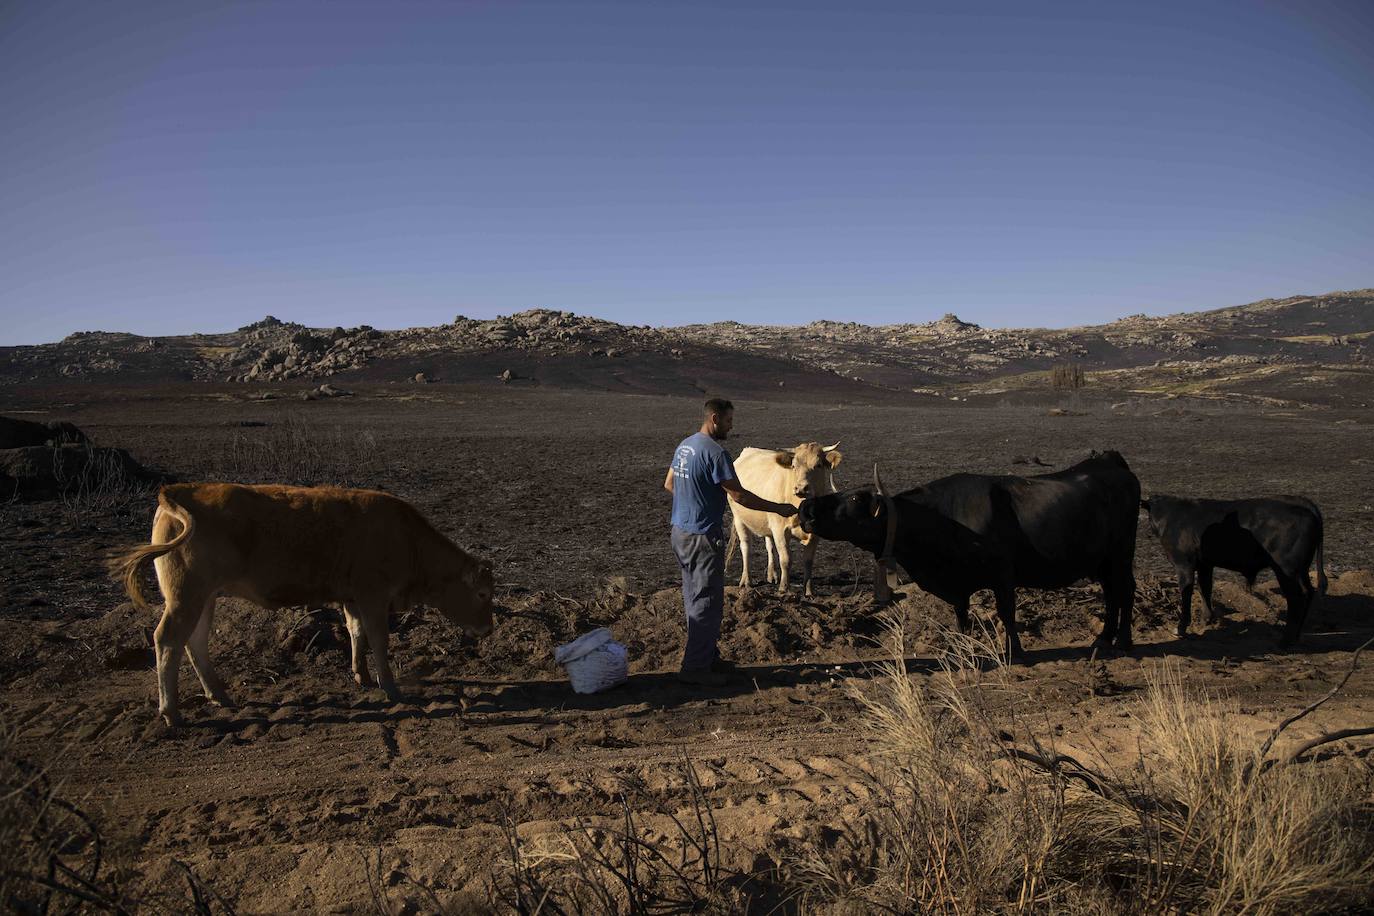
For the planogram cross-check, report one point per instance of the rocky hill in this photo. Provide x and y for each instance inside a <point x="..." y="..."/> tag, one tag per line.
<point x="949" y="358"/>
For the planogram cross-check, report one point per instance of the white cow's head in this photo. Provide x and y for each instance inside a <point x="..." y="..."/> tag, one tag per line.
<point x="809" y="466"/>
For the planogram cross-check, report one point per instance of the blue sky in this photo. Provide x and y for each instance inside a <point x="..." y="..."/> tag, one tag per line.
<point x="176" y="167"/>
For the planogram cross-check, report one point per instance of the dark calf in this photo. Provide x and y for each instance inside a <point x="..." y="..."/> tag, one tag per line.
<point x="1279" y="533"/>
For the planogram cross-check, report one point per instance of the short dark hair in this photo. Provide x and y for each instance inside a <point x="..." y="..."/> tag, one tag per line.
<point x="717" y="405"/>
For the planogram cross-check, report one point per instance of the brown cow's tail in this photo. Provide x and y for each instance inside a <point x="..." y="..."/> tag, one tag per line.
<point x="128" y="567"/>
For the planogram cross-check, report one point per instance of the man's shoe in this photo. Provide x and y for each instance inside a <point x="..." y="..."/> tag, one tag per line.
<point x="703" y="677"/>
<point x="726" y="667"/>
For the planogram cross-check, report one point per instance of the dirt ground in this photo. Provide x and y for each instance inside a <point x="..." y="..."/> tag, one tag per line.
<point x="313" y="795"/>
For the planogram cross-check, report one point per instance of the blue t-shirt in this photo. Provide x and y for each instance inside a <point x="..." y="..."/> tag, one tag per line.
<point x="700" y="465"/>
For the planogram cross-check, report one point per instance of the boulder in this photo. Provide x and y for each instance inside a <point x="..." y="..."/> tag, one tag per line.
<point x="325" y="391"/>
<point x="15" y="433"/>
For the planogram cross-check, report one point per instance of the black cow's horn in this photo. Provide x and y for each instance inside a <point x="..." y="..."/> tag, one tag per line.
<point x="878" y="481"/>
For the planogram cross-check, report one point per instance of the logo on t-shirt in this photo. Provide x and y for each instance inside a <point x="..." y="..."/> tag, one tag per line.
<point x="682" y="459"/>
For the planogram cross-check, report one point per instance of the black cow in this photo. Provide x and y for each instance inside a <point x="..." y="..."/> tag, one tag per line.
<point x="967" y="532"/>
<point x="1281" y="533"/>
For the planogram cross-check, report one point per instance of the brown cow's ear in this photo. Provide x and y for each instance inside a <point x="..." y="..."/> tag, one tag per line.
<point x="834" y="458"/>
<point x="784" y="459"/>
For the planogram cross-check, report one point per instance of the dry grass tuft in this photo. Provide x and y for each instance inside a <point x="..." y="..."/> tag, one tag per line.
<point x="102" y="481"/>
<point x="623" y="866"/>
<point x="299" y="451"/>
<point x="976" y="810"/>
<point x="1230" y="833"/>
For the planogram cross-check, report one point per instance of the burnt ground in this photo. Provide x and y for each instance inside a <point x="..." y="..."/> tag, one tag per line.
<point x="279" y="803"/>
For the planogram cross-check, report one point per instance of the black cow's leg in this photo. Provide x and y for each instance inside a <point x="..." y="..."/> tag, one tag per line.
<point x="1299" y="594"/>
<point x="1125" y="608"/>
<point x="1309" y="598"/>
<point x="1204" y="587"/>
<point x="1111" y="613"/>
<point x="961" y="615"/>
<point x="808" y="561"/>
<point x="882" y="591"/>
<point x="1006" y="611"/>
<point x="1185" y="601"/>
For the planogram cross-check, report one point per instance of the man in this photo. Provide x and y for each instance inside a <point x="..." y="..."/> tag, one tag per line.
<point x="701" y="478"/>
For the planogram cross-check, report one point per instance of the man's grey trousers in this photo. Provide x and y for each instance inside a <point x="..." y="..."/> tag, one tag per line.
<point x="702" y="558"/>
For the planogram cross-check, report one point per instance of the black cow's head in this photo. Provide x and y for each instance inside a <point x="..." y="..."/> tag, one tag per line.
<point x="857" y="516"/>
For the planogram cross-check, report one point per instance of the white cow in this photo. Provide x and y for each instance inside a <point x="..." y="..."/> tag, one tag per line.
<point x="784" y="476"/>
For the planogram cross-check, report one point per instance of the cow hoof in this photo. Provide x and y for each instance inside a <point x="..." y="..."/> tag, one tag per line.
<point x="1181" y="632"/>
<point x="221" y="700"/>
<point x="173" y="719"/>
<point x="1125" y="645"/>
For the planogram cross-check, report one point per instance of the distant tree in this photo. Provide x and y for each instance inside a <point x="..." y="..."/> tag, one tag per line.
<point x="1067" y="375"/>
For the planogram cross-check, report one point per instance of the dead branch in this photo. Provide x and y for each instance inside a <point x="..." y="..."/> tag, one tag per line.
<point x="1328" y="738"/>
<point x="1070" y="768"/>
<point x="1354" y="659"/>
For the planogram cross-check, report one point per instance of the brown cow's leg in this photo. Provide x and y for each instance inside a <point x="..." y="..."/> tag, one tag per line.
<point x="357" y="640"/>
<point x="179" y="620"/>
<point x="375" y="626"/>
<point x="199" y="644"/>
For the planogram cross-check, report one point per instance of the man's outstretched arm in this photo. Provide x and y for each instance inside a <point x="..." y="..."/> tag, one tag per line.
<point x="735" y="490"/>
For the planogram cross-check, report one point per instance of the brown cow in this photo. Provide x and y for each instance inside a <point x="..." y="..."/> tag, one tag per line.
<point x="277" y="546"/>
